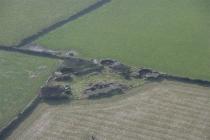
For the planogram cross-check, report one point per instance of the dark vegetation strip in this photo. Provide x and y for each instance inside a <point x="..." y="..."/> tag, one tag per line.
<point x="46" y="30"/>
<point x="62" y="22"/>
<point x="163" y="76"/>
<point x="188" y="80"/>
<point x="16" y="121"/>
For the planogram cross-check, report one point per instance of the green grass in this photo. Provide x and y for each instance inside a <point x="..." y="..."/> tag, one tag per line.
<point x="169" y="36"/>
<point x="21" y="18"/>
<point x="21" y="77"/>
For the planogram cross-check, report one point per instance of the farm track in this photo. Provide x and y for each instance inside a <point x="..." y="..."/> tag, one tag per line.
<point x="46" y="30"/>
<point x="29" y="52"/>
<point x="163" y="111"/>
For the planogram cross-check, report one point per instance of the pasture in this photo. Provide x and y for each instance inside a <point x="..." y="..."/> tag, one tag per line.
<point x="167" y="110"/>
<point x="22" y="18"/>
<point x="21" y="77"/>
<point x="169" y="36"/>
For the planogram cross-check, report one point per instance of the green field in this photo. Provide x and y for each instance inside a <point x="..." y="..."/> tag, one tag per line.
<point x="169" y="36"/>
<point x="21" y="77"/>
<point x="22" y="18"/>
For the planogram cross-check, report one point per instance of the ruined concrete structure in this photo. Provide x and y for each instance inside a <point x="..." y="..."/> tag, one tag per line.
<point x="118" y="67"/>
<point x="55" y="92"/>
<point x="78" y="66"/>
<point x="149" y="74"/>
<point x="100" y="90"/>
<point x="60" y="77"/>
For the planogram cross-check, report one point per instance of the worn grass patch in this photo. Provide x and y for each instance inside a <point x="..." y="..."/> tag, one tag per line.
<point x="21" y="77"/>
<point x="167" y="110"/>
<point x="21" y="18"/>
<point x="169" y="36"/>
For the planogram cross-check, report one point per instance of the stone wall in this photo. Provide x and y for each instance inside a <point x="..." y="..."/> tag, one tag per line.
<point x="5" y="131"/>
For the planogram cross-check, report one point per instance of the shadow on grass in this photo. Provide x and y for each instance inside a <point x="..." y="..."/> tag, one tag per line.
<point x="56" y="102"/>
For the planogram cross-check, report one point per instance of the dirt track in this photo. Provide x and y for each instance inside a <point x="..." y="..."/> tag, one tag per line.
<point x="167" y="110"/>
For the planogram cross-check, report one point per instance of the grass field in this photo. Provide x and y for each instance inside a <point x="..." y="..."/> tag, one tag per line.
<point x="21" y="77"/>
<point x="21" y="18"/>
<point x="169" y="36"/>
<point x="156" y="111"/>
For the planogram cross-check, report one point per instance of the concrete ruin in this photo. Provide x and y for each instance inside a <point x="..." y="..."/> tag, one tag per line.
<point x="101" y="90"/>
<point x="60" y="77"/>
<point x="149" y="74"/>
<point x="78" y="66"/>
<point x="55" y="92"/>
<point x="108" y="62"/>
<point x="117" y="67"/>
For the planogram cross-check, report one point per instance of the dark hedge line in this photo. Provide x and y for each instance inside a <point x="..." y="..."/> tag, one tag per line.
<point x="79" y="14"/>
<point x="58" y="24"/>
<point x="186" y="80"/>
<point x="9" y="128"/>
<point x="155" y="75"/>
